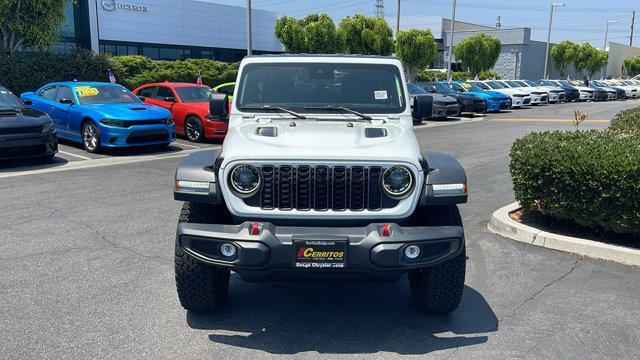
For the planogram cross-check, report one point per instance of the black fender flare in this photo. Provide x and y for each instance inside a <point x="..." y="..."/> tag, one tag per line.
<point x="201" y="167"/>
<point x="442" y="169"/>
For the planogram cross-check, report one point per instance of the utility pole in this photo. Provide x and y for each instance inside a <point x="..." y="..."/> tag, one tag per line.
<point x="249" y="29"/>
<point x="606" y="38"/>
<point x="498" y="23"/>
<point x="379" y="8"/>
<point x="546" y="54"/>
<point x="398" y="19"/>
<point x="453" y="27"/>
<point x="633" y="22"/>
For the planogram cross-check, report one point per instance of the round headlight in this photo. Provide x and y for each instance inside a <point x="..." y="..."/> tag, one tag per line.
<point x="397" y="181"/>
<point x="245" y="179"/>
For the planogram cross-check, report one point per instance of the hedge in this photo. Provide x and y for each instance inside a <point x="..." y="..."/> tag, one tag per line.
<point x="589" y="177"/>
<point x="626" y="121"/>
<point x="27" y="71"/>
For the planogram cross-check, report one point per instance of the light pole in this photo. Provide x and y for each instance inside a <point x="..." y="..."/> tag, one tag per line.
<point x="606" y="36"/>
<point x="546" y="54"/>
<point x="249" y="30"/>
<point x="453" y="26"/>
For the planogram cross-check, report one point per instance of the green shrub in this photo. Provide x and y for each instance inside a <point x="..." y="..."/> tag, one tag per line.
<point x="626" y="121"/>
<point x="589" y="177"/>
<point x="27" y="71"/>
<point x="431" y="75"/>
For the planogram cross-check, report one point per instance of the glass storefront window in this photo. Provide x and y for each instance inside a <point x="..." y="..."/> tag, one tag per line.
<point x="169" y="54"/>
<point x="150" y="52"/>
<point x="133" y="50"/>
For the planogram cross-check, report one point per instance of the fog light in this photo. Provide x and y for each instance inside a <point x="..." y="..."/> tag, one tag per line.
<point x="228" y="250"/>
<point x="412" y="252"/>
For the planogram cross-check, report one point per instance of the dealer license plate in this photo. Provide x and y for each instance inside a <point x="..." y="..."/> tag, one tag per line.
<point x="320" y="254"/>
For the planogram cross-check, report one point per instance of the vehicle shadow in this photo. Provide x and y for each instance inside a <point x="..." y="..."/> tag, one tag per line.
<point x="342" y="319"/>
<point x="128" y="151"/>
<point x="17" y="165"/>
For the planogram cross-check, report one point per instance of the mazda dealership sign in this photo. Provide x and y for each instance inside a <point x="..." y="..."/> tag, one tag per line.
<point x="112" y="5"/>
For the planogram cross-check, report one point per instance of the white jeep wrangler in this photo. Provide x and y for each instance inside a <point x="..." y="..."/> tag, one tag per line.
<point x="320" y="178"/>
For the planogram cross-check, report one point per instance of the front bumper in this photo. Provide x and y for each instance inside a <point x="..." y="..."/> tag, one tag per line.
<point x="520" y="101"/>
<point x="214" y="129"/>
<point x="138" y="135"/>
<point x="586" y="95"/>
<point x="21" y="146"/>
<point x="443" y="111"/>
<point x="493" y="105"/>
<point x="556" y="96"/>
<point x="473" y="107"/>
<point x="369" y="255"/>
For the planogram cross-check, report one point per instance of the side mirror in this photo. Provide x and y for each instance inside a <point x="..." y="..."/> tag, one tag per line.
<point x="169" y="99"/>
<point x="422" y="107"/>
<point x="66" y="101"/>
<point x="219" y="108"/>
<point x="433" y="91"/>
<point x="27" y="102"/>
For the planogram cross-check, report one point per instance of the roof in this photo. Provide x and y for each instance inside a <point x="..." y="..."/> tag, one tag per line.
<point x="174" y="84"/>
<point x="350" y="56"/>
<point x="82" y="83"/>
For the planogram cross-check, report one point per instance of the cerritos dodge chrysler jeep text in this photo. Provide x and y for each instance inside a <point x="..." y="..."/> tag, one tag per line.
<point x="320" y="177"/>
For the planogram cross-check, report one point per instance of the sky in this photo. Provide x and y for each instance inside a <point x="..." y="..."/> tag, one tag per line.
<point x="578" y="20"/>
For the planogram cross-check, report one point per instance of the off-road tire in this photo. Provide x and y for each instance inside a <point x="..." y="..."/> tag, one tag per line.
<point x="417" y="121"/>
<point x="438" y="289"/>
<point x="202" y="288"/>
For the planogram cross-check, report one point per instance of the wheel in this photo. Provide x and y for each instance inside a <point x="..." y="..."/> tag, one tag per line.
<point x="201" y="287"/>
<point x="193" y="129"/>
<point x="48" y="159"/>
<point x="438" y="289"/>
<point x="417" y="121"/>
<point x="90" y="137"/>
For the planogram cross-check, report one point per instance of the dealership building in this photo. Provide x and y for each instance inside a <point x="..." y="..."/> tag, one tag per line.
<point x="166" y="29"/>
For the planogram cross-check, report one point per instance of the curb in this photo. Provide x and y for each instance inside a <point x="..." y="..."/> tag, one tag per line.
<point x="502" y="224"/>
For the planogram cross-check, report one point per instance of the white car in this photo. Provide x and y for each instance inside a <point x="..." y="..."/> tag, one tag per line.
<point x="322" y="179"/>
<point x="556" y="94"/>
<point x="632" y="84"/>
<point x="631" y="91"/>
<point x="518" y="98"/>
<point x="586" y="93"/>
<point x="537" y="96"/>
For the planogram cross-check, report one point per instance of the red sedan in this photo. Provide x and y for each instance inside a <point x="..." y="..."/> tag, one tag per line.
<point x="189" y="106"/>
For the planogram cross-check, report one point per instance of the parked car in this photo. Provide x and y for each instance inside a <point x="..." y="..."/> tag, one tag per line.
<point x="469" y="103"/>
<point x="189" y="106"/>
<point x="442" y="106"/>
<point x="556" y="93"/>
<point x="495" y="100"/>
<point x="227" y="89"/>
<point x="537" y="97"/>
<point x="598" y="94"/>
<point x="614" y="93"/>
<point x="585" y="93"/>
<point x="333" y="147"/>
<point x="535" y="89"/>
<point x="630" y="86"/>
<point x="25" y="133"/>
<point x="102" y="115"/>
<point x="518" y="98"/>
<point x="571" y="93"/>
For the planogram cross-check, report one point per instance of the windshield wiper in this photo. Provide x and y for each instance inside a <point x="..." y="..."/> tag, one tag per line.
<point x="339" y="108"/>
<point x="274" y="108"/>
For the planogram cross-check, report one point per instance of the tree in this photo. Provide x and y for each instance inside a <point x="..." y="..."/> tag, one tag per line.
<point x="563" y="55"/>
<point x="416" y="49"/>
<point x="315" y="34"/>
<point x="585" y="58"/>
<point x="30" y="23"/>
<point x="599" y="60"/>
<point x="478" y="53"/>
<point x="366" y="35"/>
<point x="632" y="66"/>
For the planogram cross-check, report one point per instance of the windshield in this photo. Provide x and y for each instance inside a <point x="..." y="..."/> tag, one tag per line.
<point x="530" y="83"/>
<point x="105" y="94"/>
<point x="549" y="83"/>
<point x="495" y="85"/>
<point x="367" y="88"/>
<point x="471" y="87"/>
<point x="483" y="86"/>
<point x="415" y="89"/>
<point x="566" y="82"/>
<point x="8" y="100"/>
<point x="194" y="94"/>
<point x="514" y="84"/>
<point x="442" y="88"/>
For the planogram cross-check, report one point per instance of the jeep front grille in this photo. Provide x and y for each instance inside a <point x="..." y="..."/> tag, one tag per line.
<point x="322" y="188"/>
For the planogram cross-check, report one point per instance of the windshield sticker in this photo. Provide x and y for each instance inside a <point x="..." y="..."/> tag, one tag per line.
<point x="466" y="86"/>
<point x="87" y="91"/>
<point x="380" y="94"/>
<point x="2" y="92"/>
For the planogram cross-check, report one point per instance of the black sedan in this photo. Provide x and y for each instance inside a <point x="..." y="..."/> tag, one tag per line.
<point x="571" y="93"/>
<point x="25" y="133"/>
<point x="468" y="103"/>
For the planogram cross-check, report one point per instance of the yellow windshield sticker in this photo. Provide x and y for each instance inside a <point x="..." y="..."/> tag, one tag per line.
<point x="87" y="91"/>
<point x="466" y="86"/>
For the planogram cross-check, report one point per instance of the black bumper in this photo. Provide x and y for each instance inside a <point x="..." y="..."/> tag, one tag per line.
<point x="21" y="146"/>
<point x="369" y="255"/>
<point x="474" y="107"/>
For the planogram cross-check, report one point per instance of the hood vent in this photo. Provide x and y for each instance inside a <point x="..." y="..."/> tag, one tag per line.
<point x="138" y="108"/>
<point x="269" y="131"/>
<point x="375" y="132"/>
<point x="9" y="111"/>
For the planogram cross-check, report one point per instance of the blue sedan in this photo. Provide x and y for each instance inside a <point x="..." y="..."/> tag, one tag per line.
<point x="495" y="101"/>
<point x="102" y="115"/>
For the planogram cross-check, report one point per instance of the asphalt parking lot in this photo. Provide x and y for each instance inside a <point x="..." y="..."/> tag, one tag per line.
<point x="86" y="270"/>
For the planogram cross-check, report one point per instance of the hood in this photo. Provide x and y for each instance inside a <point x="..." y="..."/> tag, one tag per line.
<point x="465" y="97"/>
<point x="137" y="111"/>
<point x="15" y="119"/>
<point x="443" y="98"/>
<point x="327" y="139"/>
<point x="489" y="94"/>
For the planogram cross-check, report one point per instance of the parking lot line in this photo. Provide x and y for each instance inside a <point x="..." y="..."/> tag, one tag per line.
<point x="594" y="121"/>
<point x="188" y="145"/>
<point x="71" y="154"/>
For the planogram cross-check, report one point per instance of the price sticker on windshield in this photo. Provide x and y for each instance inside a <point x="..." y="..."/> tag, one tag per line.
<point x="380" y="94"/>
<point x="87" y="91"/>
<point x="466" y="86"/>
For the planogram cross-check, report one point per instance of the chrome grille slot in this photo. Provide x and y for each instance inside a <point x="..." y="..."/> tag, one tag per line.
<point x="322" y="188"/>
